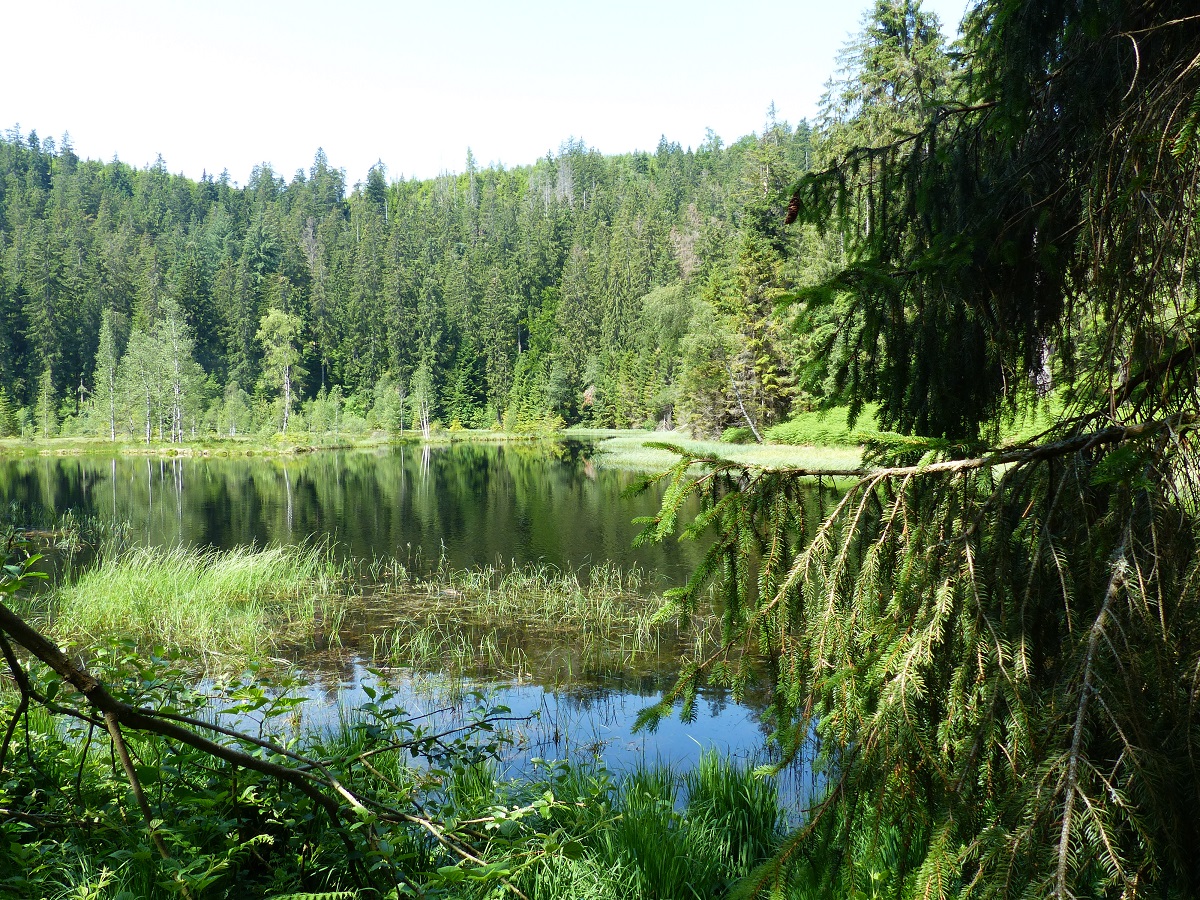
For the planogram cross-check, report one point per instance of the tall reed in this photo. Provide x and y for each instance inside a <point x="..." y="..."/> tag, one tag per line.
<point x="241" y="602"/>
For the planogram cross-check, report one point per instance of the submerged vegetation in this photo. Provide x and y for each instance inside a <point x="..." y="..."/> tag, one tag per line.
<point x="534" y="621"/>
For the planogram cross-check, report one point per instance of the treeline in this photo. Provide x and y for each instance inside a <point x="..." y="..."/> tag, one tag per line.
<point x="630" y="290"/>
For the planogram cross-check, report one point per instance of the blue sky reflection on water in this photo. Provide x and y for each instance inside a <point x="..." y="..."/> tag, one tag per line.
<point x="592" y="724"/>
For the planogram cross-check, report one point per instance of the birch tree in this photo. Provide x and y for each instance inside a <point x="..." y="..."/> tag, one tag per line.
<point x="279" y="334"/>
<point x="105" y="394"/>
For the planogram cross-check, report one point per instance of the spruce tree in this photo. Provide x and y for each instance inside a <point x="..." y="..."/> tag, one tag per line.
<point x="7" y="419"/>
<point x="45" y="407"/>
<point x="105" y="392"/>
<point x="995" y="646"/>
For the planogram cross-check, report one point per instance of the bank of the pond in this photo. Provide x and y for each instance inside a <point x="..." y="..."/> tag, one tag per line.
<point x="629" y="450"/>
<point x="278" y="445"/>
<point x="620" y="449"/>
<point x="463" y="829"/>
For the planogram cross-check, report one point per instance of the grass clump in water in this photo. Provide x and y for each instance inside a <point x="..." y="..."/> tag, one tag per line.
<point x="602" y="595"/>
<point x="533" y="619"/>
<point x="240" y="602"/>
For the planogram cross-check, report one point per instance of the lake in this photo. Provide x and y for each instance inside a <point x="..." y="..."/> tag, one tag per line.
<point x="472" y="503"/>
<point x="468" y="504"/>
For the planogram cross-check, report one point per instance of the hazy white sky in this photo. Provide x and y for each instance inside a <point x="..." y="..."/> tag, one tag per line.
<point x="228" y="84"/>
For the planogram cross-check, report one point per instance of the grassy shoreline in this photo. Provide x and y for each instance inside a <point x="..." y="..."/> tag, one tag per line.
<point x="238" y="447"/>
<point x="617" y="449"/>
<point x="628" y="451"/>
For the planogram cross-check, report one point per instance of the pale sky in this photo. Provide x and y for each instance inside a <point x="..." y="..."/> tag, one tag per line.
<point x="228" y="84"/>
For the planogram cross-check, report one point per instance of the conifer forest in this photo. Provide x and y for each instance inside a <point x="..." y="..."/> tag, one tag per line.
<point x="582" y="289"/>
<point x="963" y="602"/>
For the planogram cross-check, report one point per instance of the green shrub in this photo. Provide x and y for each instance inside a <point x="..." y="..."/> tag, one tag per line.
<point x="737" y="434"/>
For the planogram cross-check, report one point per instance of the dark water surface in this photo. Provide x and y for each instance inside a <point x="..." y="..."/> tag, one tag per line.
<point x="476" y="504"/>
<point x="473" y="504"/>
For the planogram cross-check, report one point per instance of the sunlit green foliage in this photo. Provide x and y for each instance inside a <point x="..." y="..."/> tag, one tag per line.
<point x="240" y="603"/>
<point x="995" y="649"/>
<point x="554" y="291"/>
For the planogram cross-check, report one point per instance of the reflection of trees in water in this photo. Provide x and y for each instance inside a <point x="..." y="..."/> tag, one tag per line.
<point x="482" y="503"/>
<point x="477" y="503"/>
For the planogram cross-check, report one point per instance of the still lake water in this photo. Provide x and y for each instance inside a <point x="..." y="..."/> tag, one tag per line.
<point x="474" y="504"/>
<point x="471" y="504"/>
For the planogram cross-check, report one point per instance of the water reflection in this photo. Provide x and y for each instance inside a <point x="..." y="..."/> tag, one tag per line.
<point x="581" y="722"/>
<point x="473" y="504"/>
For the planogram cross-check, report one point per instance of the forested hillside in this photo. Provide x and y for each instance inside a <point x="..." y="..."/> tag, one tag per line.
<point x="604" y="290"/>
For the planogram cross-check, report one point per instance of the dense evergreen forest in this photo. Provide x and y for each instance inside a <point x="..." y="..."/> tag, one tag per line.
<point x="993" y="644"/>
<point x="620" y="291"/>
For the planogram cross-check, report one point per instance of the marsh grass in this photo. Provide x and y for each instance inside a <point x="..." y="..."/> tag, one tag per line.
<point x="642" y="836"/>
<point x="600" y="595"/>
<point x="629" y="452"/>
<point x="526" y="620"/>
<point x="437" y="646"/>
<point x="242" y="603"/>
<point x="743" y="808"/>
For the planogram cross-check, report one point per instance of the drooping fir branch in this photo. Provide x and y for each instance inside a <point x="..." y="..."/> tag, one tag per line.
<point x="971" y="639"/>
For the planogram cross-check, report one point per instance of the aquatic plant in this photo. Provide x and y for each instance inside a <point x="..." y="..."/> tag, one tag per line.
<point x="241" y="602"/>
<point x="536" y="619"/>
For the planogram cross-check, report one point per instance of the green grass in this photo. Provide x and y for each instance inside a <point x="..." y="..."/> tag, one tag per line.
<point x="533" y="619"/>
<point x="241" y="603"/>
<point x="744" y="809"/>
<point x="545" y="595"/>
<point x="809" y="440"/>
<point x="534" y="594"/>
<point x="628" y="450"/>
<point x="435" y="646"/>
<point x="639" y="840"/>
<point x="278" y="445"/>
